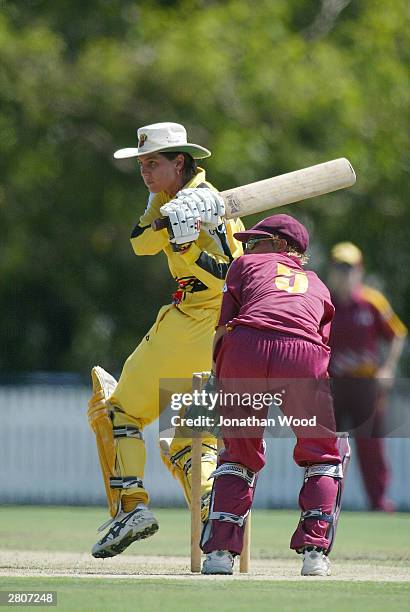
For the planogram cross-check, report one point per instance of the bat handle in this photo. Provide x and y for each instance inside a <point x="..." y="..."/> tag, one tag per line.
<point x="160" y="224"/>
<point x="163" y="223"/>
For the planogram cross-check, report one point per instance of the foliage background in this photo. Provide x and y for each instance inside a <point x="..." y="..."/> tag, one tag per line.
<point x="269" y="87"/>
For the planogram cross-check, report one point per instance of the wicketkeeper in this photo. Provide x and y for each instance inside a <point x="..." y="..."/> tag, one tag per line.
<point x="199" y="248"/>
<point x="275" y="324"/>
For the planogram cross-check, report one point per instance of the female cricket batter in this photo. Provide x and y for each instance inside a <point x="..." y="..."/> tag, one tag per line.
<point x="199" y="250"/>
<point x="276" y="317"/>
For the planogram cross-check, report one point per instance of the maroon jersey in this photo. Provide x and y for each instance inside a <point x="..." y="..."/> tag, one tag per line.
<point x="357" y="329"/>
<point x="272" y="291"/>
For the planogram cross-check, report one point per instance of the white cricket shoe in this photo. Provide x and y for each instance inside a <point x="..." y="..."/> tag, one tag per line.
<point x="315" y="563"/>
<point x="127" y="527"/>
<point x="218" y="562"/>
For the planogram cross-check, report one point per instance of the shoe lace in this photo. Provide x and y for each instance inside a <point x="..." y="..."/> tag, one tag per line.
<point x="120" y="514"/>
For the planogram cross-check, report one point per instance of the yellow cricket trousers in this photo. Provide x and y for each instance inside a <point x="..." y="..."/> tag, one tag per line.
<point x="177" y="345"/>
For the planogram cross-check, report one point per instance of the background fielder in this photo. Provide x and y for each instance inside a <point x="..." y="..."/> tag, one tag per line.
<point x="361" y="371"/>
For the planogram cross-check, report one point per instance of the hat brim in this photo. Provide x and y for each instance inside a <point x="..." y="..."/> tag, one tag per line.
<point x="343" y="264"/>
<point x="194" y="150"/>
<point x="245" y="236"/>
<point x="352" y="263"/>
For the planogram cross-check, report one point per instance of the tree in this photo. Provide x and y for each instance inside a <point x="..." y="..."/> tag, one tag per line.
<point x="259" y="84"/>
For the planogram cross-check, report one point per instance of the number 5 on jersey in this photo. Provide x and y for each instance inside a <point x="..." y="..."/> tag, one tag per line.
<point x="290" y="281"/>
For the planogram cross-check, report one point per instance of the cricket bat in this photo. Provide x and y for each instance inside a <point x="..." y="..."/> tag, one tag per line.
<point x="283" y="189"/>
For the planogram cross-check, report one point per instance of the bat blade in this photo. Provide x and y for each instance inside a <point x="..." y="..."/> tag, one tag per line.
<point x="289" y="188"/>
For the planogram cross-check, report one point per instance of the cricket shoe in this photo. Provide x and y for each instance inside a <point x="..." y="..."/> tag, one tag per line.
<point x="218" y="562"/>
<point x="128" y="527"/>
<point x="315" y="563"/>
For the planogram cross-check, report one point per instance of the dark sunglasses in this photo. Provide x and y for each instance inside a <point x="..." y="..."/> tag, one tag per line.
<point x="250" y="244"/>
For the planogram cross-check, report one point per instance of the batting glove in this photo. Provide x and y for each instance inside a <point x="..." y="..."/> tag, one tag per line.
<point x="208" y="204"/>
<point x="184" y="224"/>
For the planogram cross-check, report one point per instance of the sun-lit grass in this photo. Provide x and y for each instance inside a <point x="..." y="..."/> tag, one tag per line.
<point x="183" y="596"/>
<point x="360" y="535"/>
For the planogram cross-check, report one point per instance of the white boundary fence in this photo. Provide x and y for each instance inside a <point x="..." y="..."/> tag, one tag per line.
<point x="48" y="456"/>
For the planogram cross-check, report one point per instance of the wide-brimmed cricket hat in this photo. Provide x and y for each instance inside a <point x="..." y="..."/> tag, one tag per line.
<point x="285" y="225"/>
<point x="160" y="137"/>
<point x="346" y="253"/>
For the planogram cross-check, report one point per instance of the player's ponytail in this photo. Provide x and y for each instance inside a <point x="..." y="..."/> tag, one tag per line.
<point x="293" y="249"/>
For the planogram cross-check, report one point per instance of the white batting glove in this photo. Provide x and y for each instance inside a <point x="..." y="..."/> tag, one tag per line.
<point x="208" y="204"/>
<point x="184" y="224"/>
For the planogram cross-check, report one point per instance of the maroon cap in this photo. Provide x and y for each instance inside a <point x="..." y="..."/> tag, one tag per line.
<point x="285" y="225"/>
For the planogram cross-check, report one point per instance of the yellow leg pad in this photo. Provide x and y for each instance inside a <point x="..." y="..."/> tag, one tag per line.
<point x="130" y="461"/>
<point x="99" y="418"/>
<point x="121" y="449"/>
<point x="176" y="472"/>
<point x="177" y="457"/>
<point x="107" y="455"/>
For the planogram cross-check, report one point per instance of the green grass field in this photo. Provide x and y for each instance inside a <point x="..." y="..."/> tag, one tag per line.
<point x="47" y="548"/>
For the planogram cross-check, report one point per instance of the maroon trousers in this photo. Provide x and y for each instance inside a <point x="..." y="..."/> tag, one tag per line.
<point x="248" y="359"/>
<point x="359" y="407"/>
